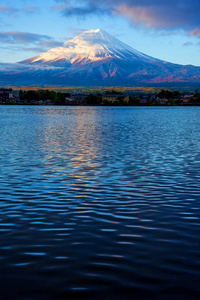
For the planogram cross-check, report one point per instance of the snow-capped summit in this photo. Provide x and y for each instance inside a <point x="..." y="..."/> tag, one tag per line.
<point x="89" y="46"/>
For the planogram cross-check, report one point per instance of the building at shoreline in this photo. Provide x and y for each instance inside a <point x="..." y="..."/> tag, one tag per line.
<point x="78" y="98"/>
<point x="114" y="98"/>
<point x="5" y="94"/>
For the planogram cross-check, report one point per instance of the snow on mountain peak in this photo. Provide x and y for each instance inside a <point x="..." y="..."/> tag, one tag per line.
<point x="96" y="30"/>
<point x="91" y="45"/>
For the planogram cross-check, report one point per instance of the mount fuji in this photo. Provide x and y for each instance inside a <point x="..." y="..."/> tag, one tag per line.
<point x="95" y="58"/>
<point x="90" y="46"/>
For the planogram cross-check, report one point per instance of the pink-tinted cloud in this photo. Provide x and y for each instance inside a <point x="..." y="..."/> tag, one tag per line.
<point x="150" y="17"/>
<point x="60" y="7"/>
<point x="195" y="32"/>
<point x="12" y="10"/>
<point x="6" y="9"/>
<point x="157" y="14"/>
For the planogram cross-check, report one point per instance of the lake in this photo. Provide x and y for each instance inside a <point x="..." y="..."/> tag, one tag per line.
<point x="99" y="202"/>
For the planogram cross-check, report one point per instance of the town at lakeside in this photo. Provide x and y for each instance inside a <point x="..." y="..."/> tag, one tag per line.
<point x="164" y="97"/>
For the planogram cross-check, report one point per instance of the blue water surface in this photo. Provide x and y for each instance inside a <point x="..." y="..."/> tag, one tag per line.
<point x="99" y="202"/>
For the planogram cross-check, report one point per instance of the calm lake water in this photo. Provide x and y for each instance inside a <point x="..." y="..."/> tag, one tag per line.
<point x="99" y="202"/>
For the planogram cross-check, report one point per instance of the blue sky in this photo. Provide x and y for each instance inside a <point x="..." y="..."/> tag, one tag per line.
<point x="169" y="30"/>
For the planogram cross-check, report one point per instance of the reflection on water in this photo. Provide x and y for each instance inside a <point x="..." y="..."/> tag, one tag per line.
<point x="99" y="202"/>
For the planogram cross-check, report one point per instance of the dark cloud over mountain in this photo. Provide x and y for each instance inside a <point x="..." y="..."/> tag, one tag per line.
<point x="179" y="14"/>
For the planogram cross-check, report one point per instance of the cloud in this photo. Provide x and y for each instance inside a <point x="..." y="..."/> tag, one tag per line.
<point x="188" y="44"/>
<point x="6" y="9"/>
<point x="21" y="37"/>
<point x="59" y="7"/>
<point x="20" y="48"/>
<point x="195" y="32"/>
<point x="33" y="49"/>
<point x="157" y="14"/>
<point x="81" y="11"/>
<point x="12" y="10"/>
<point x="162" y="15"/>
<point x="76" y="31"/>
<point x="25" y="41"/>
<point x="50" y="44"/>
<point x="31" y="9"/>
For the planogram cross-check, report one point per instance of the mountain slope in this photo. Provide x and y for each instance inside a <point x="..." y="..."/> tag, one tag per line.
<point x="95" y="58"/>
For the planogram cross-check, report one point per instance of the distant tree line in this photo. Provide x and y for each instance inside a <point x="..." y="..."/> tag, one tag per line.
<point x="169" y="95"/>
<point x="43" y="95"/>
